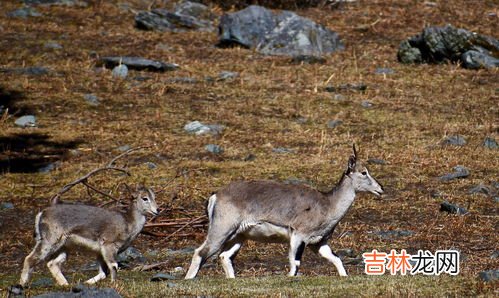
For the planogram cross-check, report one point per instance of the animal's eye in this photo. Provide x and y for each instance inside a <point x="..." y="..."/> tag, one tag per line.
<point x="145" y="199"/>
<point x="364" y="173"/>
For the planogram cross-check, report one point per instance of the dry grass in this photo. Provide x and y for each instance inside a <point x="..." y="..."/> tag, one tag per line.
<point x="414" y="109"/>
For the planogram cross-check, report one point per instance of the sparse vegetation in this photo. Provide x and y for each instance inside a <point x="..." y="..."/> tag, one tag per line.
<point x="272" y="103"/>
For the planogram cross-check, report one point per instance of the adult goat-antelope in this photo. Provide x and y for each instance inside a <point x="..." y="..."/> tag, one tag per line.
<point x="267" y="211"/>
<point x="63" y="228"/>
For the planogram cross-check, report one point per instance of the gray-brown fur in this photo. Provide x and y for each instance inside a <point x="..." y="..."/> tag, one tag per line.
<point x="268" y="211"/>
<point x="63" y="228"/>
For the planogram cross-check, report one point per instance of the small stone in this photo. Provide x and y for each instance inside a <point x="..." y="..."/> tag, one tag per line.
<point x="480" y="189"/>
<point x="495" y="255"/>
<point x="24" y="13"/>
<point x="384" y="71"/>
<point x="489" y="275"/>
<point x="334" y="123"/>
<point x="91" y="99"/>
<point x="346" y="252"/>
<point x="227" y="75"/>
<point x="162" y="277"/>
<point x="131" y="254"/>
<point x="199" y="128"/>
<point x="137" y="63"/>
<point x="435" y="194"/>
<point x="151" y="165"/>
<point x="32" y="70"/>
<point x="455" y="140"/>
<point x="366" y="104"/>
<point x="249" y="157"/>
<point x="120" y="71"/>
<point x="182" y="80"/>
<point x="6" y="205"/>
<point x="339" y="97"/>
<point x="376" y="161"/>
<point x="26" y="121"/>
<point x="347" y="87"/>
<point x="171" y="284"/>
<point x="282" y="150"/>
<point x="215" y="149"/>
<point x="49" y="167"/>
<point x="451" y="208"/>
<point x="15" y="291"/>
<point x="124" y="148"/>
<point x="52" y="45"/>
<point x="459" y="172"/>
<point x="490" y="143"/>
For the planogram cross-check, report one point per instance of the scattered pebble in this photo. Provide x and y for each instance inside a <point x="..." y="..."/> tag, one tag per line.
<point x="490" y="143"/>
<point x="455" y="140"/>
<point x="42" y="282"/>
<point x="150" y="165"/>
<point x="451" y="208"/>
<point x="495" y="255"/>
<point x="120" y="71"/>
<point x="366" y="104"/>
<point x="137" y="63"/>
<point x="32" y="70"/>
<point x="24" y="13"/>
<point x="480" y="189"/>
<point x="91" y="99"/>
<point x="282" y="150"/>
<point x="6" y="205"/>
<point x="459" y="172"/>
<point x="385" y="71"/>
<point x="199" y="128"/>
<point x="215" y="149"/>
<point x="339" y="97"/>
<point x="227" y="75"/>
<point x="124" y="148"/>
<point x="346" y="252"/>
<point x="52" y="45"/>
<point x="49" y="167"/>
<point x="334" y="123"/>
<point x="489" y="275"/>
<point x="26" y="121"/>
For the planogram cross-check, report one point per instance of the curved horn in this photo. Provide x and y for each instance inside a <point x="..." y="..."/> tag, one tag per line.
<point x="354" y="150"/>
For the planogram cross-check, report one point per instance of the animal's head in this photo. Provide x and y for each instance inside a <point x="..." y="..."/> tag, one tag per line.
<point x="361" y="179"/>
<point x="146" y="201"/>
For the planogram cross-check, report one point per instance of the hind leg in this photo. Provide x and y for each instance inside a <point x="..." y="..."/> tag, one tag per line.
<point x="296" y="247"/>
<point x="325" y="251"/>
<point x="109" y="253"/>
<point x="103" y="272"/>
<point x="227" y="256"/>
<point x="54" y="266"/>
<point x="40" y="253"/>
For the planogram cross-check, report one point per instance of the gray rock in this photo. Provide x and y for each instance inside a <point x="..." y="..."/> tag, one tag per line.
<point x="54" y="2"/>
<point x="215" y="149"/>
<point x="15" y="291"/>
<point x="490" y="143"/>
<point x="282" y="150"/>
<point x="137" y="63"/>
<point x="480" y="189"/>
<point x="81" y="291"/>
<point x="171" y="284"/>
<point x="120" y="71"/>
<point x="339" y="97"/>
<point x="477" y="60"/>
<point x="376" y="161"/>
<point x="459" y="172"/>
<point x="131" y="254"/>
<point x="32" y="70"/>
<point x="249" y="157"/>
<point x="385" y="71"/>
<point x="334" y="123"/>
<point x="394" y="234"/>
<point x="495" y="255"/>
<point x="124" y="148"/>
<point x="347" y="87"/>
<point x="439" y="44"/>
<point x="456" y="140"/>
<point x="6" y="206"/>
<point x="162" y="20"/>
<point x="151" y="165"/>
<point x="182" y="80"/>
<point x="194" y="9"/>
<point x="49" y="167"/>
<point x="162" y="277"/>
<point x="198" y="128"/>
<point x="489" y="275"/>
<point x="346" y="252"/>
<point x="52" y="45"/>
<point x="284" y="33"/>
<point x="366" y="104"/>
<point x="26" y="121"/>
<point x="24" y="13"/>
<point x="183" y="251"/>
<point x="91" y="99"/>
<point x="227" y="75"/>
<point x="451" y="208"/>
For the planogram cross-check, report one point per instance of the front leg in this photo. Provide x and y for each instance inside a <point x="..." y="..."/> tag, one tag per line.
<point x="325" y="251"/>
<point x="296" y="247"/>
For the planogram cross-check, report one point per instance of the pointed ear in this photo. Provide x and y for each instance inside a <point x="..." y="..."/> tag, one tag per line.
<point x="351" y="164"/>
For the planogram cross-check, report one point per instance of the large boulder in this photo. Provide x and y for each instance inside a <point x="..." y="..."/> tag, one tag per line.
<point x="284" y="33"/>
<point x="440" y="44"/>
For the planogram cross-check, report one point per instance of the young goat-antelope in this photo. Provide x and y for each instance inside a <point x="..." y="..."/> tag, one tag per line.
<point x="266" y="211"/>
<point x="62" y="228"/>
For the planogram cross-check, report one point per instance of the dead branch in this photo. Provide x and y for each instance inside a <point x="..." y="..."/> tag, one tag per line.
<point x="150" y="266"/>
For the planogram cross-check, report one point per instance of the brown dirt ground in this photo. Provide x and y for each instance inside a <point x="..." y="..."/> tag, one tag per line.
<point x="414" y="109"/>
